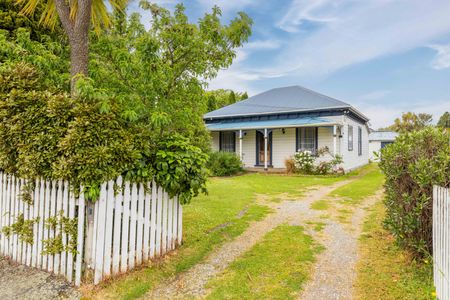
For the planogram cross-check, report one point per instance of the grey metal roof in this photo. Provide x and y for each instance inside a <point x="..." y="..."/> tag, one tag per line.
<point x="280" y="100"/>
<point x="280" y="123"/>
<point x="382" y="136"/>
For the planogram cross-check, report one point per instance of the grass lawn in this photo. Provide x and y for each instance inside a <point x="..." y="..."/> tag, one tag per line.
<point x="209" y="221"/>
<point x="275" y="268"/>
<point x="370" y="180"/>
<point x="384" y="270"/>
<point x="365" y="186"/>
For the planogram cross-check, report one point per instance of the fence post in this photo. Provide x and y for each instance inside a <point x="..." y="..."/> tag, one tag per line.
<point x="441" y="242"/>
<point x="88" y="257"/>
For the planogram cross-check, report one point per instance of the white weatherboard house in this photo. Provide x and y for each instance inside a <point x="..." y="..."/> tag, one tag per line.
<point x="378" y="140"/>
<point x="270" y="127"/>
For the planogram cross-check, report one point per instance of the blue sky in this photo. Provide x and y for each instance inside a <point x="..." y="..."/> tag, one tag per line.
<point x="384" y="57"/>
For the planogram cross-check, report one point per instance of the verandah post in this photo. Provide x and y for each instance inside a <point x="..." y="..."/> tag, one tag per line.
<point x="334" y="139"/>
<point x="265" y="149"/>
<point x="240" y="144"/>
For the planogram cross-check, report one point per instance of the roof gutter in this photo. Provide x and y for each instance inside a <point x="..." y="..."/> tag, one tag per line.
<point x="351" y="108"/>
<point x="276" y="126"/>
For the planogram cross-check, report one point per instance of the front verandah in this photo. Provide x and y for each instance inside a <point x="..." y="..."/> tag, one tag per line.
<point x="268" y="147"/>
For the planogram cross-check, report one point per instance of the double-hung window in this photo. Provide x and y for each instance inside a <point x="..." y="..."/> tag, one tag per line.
<point x="359" y="141"/>
<point x="228" y="141"/>
<point x="307" y="139"/>
<point x="350" y="138"/>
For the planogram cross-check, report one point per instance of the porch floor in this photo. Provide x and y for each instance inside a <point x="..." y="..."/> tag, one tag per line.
<point x="269" y="170"/>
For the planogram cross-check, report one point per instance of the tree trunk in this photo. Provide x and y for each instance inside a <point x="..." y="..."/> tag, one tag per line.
<point x="77" y="30"/>
<point x="79" y="49"/>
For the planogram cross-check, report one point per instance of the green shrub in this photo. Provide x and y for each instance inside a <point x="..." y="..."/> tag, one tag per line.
<point x="224" y="163"/>
<point x="180" y="167"/>
<point x="412" y="165"/>
<point x="87" y="139"/>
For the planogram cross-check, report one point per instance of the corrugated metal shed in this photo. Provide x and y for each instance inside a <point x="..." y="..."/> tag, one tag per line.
<point x="388" y="136"/>
<point x="279" y="100"/>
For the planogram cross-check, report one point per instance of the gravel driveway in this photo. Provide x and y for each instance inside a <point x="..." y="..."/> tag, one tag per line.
<point x="191" y="284"/>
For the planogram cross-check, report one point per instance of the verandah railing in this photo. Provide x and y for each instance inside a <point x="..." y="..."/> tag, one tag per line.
<point x="124" y="228"/>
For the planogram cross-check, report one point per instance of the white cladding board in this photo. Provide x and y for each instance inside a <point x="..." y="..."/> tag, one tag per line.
<point x="351" y="158"/>
<point x="249" y="148"/>
<point x="283" y="146"/>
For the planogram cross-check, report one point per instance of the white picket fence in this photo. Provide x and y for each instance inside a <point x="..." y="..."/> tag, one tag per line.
<point x="123" y="229"/>
<point x="441" y="242"/>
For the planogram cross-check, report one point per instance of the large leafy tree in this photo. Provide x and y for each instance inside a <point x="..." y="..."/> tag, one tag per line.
<point x="444" y="120"/>
<point x="220" y="98"/>
<point x="76" y="17"/>
<point x="159" y="74"/>
<point x="411" y="122"/>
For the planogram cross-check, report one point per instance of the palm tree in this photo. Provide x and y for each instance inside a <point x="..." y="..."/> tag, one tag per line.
<point x="75" y="16"/>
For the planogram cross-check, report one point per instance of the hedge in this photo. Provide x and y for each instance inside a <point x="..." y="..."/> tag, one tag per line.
<point x="412" y="165"/>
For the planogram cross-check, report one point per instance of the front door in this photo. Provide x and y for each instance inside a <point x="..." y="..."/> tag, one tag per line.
<point x="260" y="149"/>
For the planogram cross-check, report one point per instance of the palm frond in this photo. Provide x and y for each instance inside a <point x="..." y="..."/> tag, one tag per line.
<point x="29" y="6"/>
<point x="49" y="16"/>
<point x="99" y="12"/>
<point x="99" y="15"/>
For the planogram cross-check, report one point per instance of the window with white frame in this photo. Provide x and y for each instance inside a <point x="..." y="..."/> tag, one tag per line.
<point x="350" y="138"/>
<point x="307" y="139"/>
<point x="228" y="141"/>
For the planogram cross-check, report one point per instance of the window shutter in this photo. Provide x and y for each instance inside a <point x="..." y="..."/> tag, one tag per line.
<point x="316" y="139"/>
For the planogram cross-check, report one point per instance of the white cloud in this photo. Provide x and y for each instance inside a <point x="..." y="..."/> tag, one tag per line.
<point x="442" y="59"/>
<point x="306" y="10"/>
<point x="352" y="32"/>
<point x="349" y="32"/>
<point x="263" y="44"/>
<point x="236" y="77"/>
<point x="374" y="95"/>
<point x="227" y="5"/>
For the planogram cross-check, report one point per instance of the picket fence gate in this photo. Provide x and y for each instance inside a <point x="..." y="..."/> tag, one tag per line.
<point x="441" y="242"/>
<point x="124" y="228"/>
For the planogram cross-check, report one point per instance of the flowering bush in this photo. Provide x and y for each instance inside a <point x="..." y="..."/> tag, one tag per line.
<point x="304" y="162"/>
